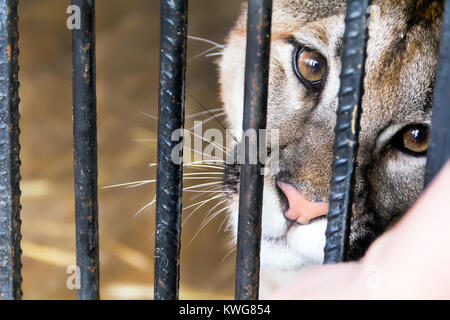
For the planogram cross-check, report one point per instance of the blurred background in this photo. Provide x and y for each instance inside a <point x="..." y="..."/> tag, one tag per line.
<point x="127" y="87"/>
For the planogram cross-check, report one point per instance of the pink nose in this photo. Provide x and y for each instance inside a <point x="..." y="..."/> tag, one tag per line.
<point x="301" y="209"/>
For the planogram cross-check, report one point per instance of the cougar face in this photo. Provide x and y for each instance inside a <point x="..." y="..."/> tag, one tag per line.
<point x="307" y="43"/>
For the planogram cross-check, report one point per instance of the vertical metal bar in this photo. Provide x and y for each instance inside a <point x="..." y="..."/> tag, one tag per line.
<point x="439" y="149"/>
<point x="169" y="172"/>
<point x="347" y="127"/>
<point x="252" y="180"/>
<point x="85" y="151"/>
<point x="10" y="252"/>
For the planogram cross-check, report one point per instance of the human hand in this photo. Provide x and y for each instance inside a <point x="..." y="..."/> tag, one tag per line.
<point x="410" y="261"/>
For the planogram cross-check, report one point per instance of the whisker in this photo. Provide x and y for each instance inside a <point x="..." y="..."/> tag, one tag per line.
<point x="197" y="114"/>
<point x="203" y="53"/>
<point x="203" y="191"/>
<point x="214" y="161"/>
<point x="138" y="185"/>
<point x="228" y="254"/>
<point x="205" y="161"/>
<point x="207" y="120"/>
<point x="215" y="214"/>
<point x="204" y="167"/>
<point x="135" y="184"/>
<point x="213" y="208"/>
<point x="206" y="223"/>
<point x="204" y="139"/>
<point x="199" y="152"/>
<point x="202" y="185"/>
<point x="223" y="148"/>
<point x="200" y="204"/>
<point x="224" y="201"/>
<point x="206" y="41"/>
<point x="204" y="173"/>
<point x="203" y="107"/>
<point x="203" y="201"/>
<point x="145" y="140"/>
<point x="214" y="54"/>
<point x="200" y="195"/>
<point x="221" y="224"/>
<point x="210" y="188"/>
<point x="203" y="112"/>
<point x="149" y="115"/>
<point x="129" y="184"/>
<point x="202" y="178"/>
<point x="147" y="206"/>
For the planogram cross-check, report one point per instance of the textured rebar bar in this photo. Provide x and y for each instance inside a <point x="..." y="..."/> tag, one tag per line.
<point x="85" y="151"/>
<point x="10" y="252"/>
<point x="169" y="172"/>
<point x="252" y="180"/>
<point x="347" y="127"/>
<point x="439" y="149"/>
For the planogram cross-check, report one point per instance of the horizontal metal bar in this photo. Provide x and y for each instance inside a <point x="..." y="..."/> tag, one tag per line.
<point x="10" y="252"/>
<point x="85" y="151"/>
<point x="252" y="180"/>
<point x="169" y="186"/>
<point x="439" y="148"/>
<point x="347" y="127"/>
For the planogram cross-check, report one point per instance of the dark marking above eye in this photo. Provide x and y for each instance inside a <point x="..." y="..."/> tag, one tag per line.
<point x="339" y="47"/>
<point x="427" y="105"/>
<point x="423" y="12"/>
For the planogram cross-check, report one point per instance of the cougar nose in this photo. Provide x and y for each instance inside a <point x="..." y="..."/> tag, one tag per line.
<point x="301" y="209"/>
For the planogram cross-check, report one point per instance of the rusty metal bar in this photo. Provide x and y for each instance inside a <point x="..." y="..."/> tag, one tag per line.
<point x="252" y="179"/>
<point x="10" y="252"/>
<point x="85" y="151"/>
<point x="169" y="186"/>
<point x="439" y="149"/>
<point x="347" y="127"/>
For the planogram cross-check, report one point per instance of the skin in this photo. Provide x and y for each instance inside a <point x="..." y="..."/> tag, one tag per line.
<point x="410" y="261"/>
<point x="400" y="69"/>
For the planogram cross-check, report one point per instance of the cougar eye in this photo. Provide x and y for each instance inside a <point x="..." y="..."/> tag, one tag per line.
<point x="310" y="67"/>
<point x="413" y="139"/>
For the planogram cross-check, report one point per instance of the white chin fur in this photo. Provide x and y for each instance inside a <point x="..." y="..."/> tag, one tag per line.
<point x="300" y="249"/>
<point x="303" y="248"/>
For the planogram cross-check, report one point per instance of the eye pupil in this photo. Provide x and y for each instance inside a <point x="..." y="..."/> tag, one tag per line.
<point x="418" y="136"/>
<point x="313" y="63"/>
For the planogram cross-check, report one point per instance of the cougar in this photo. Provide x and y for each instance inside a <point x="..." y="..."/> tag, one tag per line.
<point x="306" y="51"/>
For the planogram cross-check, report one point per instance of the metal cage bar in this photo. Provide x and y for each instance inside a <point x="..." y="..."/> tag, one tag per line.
<point x="252" y="179"/>
<point x="169" y="186"/>
<point x="347" y="127"/>
<point x="439" y="149"/>
<point x="10" y="252"/>
<point x="85" y="151"/>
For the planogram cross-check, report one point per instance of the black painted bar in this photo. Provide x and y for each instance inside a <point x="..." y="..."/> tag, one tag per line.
<point x="10" y="252"/>
<point x="169" y="186"/>
<point x="347" y="127"/>
<point x="439" y="148"/>
<point x="85" y="151"/>
<point x="252" y="180"/>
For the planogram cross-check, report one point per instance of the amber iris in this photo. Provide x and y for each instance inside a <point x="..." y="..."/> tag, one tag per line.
<point x="416" y="139"/>
<point x="311" y="66"/>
